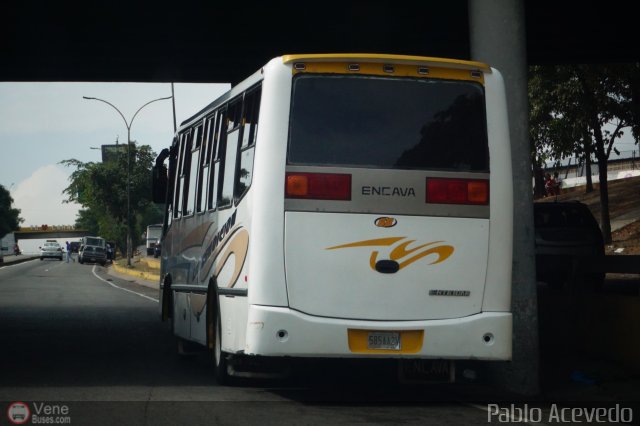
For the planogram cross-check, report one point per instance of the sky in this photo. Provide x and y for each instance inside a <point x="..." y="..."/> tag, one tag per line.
<point x="42" y="124"/>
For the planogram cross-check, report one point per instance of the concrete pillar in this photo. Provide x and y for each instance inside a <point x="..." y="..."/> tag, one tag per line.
<point x="497" y="32"/>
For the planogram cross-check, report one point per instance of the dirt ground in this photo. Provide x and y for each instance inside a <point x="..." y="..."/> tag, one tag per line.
<point x="624" y="197"/>
<point x="627" y="239"/>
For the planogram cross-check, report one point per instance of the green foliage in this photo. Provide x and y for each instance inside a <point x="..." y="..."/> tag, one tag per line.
<point x="101" y="188"/>
<point x="570" y="105"/>
<point x="9" y="217"/>
<point x="87" y="220"/>
<point x="150" y="215"/>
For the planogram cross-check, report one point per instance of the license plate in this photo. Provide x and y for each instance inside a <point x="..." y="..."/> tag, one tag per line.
<point x="384" y="340"/>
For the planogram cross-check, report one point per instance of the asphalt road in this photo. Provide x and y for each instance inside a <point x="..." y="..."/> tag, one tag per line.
<point x="73" y="336"/>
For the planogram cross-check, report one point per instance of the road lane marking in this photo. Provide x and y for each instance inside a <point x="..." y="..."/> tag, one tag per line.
<point x="121" y="288"/>
<point x="54" y="267"/>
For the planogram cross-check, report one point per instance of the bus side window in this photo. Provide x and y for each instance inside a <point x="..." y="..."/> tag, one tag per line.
<point x="215" y="156"/>
<point x="230" y="153"/>
<point x="177" y="193"/>
<point x="205" y="161"/>
<point x="173" y="161"/>
<point x="234" y="113"/>
<point x="192" y="171"/>
<point x="250" y="117"/>
<point x="249" y="133"/>
<point x="184" y="171"/>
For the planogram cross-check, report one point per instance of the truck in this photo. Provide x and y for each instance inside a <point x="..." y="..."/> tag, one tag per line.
<point x="6" y="244"/>
<point x="93" y="241"/>
<point x="153" y="236"/>
<point x="93" y="249"/>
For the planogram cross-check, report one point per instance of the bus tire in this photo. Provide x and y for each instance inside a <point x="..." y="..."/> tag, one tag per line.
<point x="166" y="310"/>
<point x="214" y="337"/>
<point x="220" y="358"/>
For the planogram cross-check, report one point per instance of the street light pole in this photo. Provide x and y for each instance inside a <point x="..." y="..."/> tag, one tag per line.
<point x="128" y="125"/>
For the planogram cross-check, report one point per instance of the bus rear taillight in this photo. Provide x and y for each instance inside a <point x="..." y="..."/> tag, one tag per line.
<point x="457" y="191"/>
<point x="318" y="186"/>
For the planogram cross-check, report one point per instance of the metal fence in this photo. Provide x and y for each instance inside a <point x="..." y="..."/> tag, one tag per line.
<point x="575" y="168"/>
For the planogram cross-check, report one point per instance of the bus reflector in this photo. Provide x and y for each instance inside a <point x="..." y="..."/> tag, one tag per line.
<point x="318" y="186"/>
<point x="457" y="191"/>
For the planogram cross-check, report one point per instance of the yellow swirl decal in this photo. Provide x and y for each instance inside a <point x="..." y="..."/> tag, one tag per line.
<point x="400" y="250"/>
<point x="238" y="246"/>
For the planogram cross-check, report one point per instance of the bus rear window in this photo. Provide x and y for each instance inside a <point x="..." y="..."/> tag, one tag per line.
<point x="391" y="123"/>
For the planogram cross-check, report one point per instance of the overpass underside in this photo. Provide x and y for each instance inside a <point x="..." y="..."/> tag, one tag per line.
<point x="43" y="235"/>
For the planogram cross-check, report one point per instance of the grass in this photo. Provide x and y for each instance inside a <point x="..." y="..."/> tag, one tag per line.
<point x="136" y="264"/>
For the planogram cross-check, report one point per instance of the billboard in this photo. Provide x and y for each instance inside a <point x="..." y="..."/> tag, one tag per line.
<point x="111" y="152"/>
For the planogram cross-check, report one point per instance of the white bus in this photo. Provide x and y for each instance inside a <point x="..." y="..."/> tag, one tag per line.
<point x="343" y="205"/>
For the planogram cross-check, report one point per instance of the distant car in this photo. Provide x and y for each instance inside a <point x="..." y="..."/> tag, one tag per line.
<point x="563" y="232"/>
<point x="92" y="254"/>
<point x="51" y="249"/>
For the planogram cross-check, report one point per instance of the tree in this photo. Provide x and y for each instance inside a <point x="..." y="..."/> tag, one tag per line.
<point x="578" y="102"/>
<point x="9" y="217"/>
<point x="88" y="221"/>
<point x="553" y="134"/>
<point x="101" y="188"/>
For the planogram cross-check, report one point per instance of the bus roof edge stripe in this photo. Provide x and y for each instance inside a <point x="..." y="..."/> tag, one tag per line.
<point x="383" y="58"/>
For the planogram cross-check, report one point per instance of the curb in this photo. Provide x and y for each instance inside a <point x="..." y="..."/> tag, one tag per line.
<point x="144" y="275"/>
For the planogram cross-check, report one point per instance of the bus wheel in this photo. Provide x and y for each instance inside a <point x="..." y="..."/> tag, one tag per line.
<point x="220" y="358"/>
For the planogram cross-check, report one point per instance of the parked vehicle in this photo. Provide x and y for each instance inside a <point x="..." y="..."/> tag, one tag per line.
<point x="74" y="246"/>
<point x="93" y="254"/>
<point x="7" y="243"/>
<point x="153" y="236"/>
<point x="51" y="249"/>
<point x="93" y="241"/>
<point x="565" y="231"/>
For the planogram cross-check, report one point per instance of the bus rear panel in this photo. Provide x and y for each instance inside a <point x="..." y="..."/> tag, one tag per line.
<point x="396" y="215"/>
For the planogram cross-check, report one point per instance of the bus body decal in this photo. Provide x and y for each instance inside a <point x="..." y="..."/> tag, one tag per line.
<point x="195" y="238"/>
<point x="401" y="251"/>
<point x="217" y="238"/>
<point x="238" y="246"/>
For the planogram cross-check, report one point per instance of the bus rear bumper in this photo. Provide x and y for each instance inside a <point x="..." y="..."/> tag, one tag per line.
<point x="277" y="331"/>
